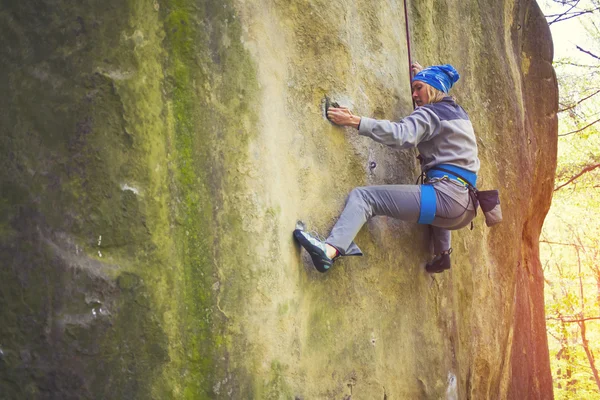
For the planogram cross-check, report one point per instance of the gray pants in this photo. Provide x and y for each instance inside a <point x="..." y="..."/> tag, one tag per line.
<point x="455" y="210"/>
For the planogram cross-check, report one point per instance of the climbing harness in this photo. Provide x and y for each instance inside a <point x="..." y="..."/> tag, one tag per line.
<point x="488" y="200"/>
<point x="428" y="198"/>
<point x="465" y="177"/>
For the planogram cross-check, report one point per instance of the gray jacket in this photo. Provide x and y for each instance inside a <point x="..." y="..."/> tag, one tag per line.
<point x="442" y="132"/>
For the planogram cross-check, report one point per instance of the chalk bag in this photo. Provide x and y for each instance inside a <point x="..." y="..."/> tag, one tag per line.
<point x="489" y="201"/>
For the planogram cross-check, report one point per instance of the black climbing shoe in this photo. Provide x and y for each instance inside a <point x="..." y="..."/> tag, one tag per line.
<point x="316" y="248"/>
<point x="440" y="263"/>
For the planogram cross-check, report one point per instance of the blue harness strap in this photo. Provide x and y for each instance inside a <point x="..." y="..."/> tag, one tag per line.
<point x="428" y="199"/>
<point x="453" y="172"/>
<point x="428" y="205"/>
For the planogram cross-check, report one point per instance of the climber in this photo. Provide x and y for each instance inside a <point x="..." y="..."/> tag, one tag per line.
<point x="441" y="131"/>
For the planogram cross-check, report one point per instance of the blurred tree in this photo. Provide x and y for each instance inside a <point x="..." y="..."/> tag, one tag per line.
<point x="569" y="246"/>
<point x="579" y="85"/>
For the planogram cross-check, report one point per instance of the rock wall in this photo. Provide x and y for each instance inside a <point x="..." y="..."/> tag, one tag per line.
<point x="157" y="154"/>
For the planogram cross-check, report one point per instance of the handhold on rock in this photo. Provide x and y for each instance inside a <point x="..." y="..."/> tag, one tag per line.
<point x="329" y="103"/>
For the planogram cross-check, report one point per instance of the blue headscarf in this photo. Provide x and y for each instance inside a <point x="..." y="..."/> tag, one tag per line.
<point x="441" y="77"/>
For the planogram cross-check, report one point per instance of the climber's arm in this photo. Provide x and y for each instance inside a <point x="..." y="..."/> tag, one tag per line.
<point x="409" y="132"/>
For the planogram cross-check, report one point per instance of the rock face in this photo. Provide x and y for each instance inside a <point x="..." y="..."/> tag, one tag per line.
<point x="157" y="154"/>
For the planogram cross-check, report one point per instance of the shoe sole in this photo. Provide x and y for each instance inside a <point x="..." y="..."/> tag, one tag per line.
<point x="314" y="255"/>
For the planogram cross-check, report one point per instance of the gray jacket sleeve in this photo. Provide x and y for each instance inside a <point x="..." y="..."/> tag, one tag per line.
<point x="407" y="133"/>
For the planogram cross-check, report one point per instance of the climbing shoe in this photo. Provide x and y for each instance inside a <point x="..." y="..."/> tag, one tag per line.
<point x="316" y="248"/>
<point x="440" y="263"/>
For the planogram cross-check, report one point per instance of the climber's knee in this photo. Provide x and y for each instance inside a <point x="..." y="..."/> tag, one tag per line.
<point x="361" y="201"/>
<point x="358" y="192"/>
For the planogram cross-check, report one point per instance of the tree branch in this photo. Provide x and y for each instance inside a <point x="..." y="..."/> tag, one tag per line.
<point x="569" y="10"/>
<point x="572" y="320"/>
<point x="583" y="171"/>
<point x="588" y="52"/>
<point x="588" y="352"/>
<point x="567" y="244"/>
<point x="579" y="102"/>
<point x="579" y="130"/>
<point x="568" y="15"/>
<point x="571" y="13"/>
<point x="559" y="62"/>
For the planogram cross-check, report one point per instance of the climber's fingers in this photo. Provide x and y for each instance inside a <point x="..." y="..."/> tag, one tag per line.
<point x="416" y="68"/>
<point x="342" y="110"/>
<point x="339" y="116"/>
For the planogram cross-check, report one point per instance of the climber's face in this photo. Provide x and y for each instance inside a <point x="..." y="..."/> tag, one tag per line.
<point x="419" y="93"/>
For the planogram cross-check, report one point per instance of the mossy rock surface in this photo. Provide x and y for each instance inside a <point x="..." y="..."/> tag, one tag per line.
<point x="156" y="156"/>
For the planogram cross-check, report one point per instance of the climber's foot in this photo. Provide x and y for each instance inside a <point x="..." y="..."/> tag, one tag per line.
<point x="316" y="248"/>
<point x="440" y="263"/>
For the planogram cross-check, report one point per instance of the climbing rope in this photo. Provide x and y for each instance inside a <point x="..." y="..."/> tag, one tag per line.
<point x="408" y="48"/>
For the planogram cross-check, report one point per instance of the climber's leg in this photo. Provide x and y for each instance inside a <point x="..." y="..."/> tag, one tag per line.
<point x="442" y="250"/>
<point x="441" y="239"/>
<point x="397" y="201"/>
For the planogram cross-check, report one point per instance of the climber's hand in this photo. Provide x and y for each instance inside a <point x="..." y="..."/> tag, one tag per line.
<point x="416" y="68"/>
<point x="343" y="117"/>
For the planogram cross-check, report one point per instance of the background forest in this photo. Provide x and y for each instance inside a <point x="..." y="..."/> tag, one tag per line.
<point x="569" y="245"/>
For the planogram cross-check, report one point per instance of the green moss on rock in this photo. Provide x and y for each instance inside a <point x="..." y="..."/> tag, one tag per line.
<point x="111" y="129"/>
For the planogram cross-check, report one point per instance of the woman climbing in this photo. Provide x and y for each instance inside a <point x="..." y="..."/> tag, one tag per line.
<point x="442" y="132"/>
